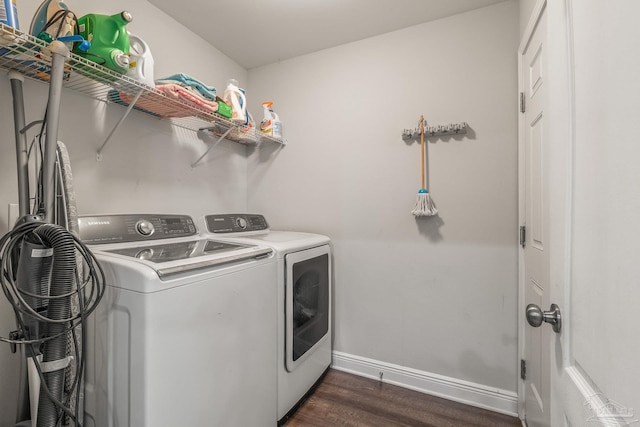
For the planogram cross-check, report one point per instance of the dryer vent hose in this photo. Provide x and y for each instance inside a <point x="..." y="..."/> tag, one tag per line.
<point x="62" y="278"/>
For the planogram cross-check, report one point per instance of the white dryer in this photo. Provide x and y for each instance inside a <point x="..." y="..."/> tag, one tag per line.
<point x="186" y="332"/>
<point x="304" y="277"/>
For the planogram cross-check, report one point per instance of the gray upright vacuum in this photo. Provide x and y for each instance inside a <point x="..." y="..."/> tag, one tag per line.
<point x="47" y="268"/>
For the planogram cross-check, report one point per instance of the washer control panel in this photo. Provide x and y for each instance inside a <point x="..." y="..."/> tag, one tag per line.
<point x="235" y="223"/>
<point x="134" y="227"/>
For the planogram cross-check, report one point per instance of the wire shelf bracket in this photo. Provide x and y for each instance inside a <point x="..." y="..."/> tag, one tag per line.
<point x="117" y="126"/>
<point x="220" y="138"/>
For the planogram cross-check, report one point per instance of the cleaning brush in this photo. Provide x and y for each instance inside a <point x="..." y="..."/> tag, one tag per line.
<point x="424" y="204"/>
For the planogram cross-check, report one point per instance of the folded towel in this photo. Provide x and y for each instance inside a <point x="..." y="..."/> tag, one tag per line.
<point x="209" y="92"/>
<point x="153" y="103"/>
<point x="176" y="91"/>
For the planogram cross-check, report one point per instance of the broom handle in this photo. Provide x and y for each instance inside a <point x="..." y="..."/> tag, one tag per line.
<point x="422" y="149"/>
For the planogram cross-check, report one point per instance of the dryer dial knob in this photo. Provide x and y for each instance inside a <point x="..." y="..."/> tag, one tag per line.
<point x="145" y="227"/>
<point x="241" y="223"/>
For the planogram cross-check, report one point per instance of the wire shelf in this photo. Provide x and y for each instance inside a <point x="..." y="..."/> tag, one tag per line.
<point x="30" y="57"/>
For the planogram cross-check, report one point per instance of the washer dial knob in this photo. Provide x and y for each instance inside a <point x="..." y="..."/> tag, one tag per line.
<point x="241" y="223"/>
<point x="145" y="227"/>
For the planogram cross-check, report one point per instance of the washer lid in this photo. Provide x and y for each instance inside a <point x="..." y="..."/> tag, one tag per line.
<point x="172" y="257"/>
<point x="177" y="251"/>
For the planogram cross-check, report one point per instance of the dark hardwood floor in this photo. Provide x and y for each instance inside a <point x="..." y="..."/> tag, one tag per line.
<point x="343" y="399"/>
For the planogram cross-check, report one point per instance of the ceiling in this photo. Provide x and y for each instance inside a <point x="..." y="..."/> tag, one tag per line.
<point x="260" y="32"/>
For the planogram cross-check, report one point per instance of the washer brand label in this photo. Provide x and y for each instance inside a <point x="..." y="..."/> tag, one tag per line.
<point x="98" y="222"/>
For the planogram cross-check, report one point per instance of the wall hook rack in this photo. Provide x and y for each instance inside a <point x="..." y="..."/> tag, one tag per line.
<point x="434" y="131"/>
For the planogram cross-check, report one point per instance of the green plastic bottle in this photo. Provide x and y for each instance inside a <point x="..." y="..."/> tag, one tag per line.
<point x="109" y="39"/>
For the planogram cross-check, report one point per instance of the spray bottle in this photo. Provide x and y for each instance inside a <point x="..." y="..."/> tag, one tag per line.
<point x="271" y="124"/>
<point x="235" y="97"/>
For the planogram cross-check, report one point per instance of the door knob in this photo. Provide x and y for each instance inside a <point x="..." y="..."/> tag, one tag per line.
<point x="535" y="317"/>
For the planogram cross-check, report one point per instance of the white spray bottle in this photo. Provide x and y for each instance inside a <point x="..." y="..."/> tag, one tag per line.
<point x="271" y="124"/>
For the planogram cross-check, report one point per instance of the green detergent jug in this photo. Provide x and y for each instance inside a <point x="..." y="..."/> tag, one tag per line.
<point x="109" y="39"/>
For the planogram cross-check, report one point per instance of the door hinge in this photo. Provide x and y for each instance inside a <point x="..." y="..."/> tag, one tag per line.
<point x="523" y="236"/>
<point x="522" y="107"/>
<point x="523" y="369"/>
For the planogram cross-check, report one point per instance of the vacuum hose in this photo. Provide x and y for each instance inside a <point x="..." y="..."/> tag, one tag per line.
<point x="44" y="271"/>
<point x="62" y="279"/>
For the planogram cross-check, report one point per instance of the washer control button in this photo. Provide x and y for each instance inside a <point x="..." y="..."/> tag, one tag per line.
<point x="145" y="227"/>
<point x="241" y="223"/>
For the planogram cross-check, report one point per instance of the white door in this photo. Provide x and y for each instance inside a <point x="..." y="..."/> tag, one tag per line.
<point x="593" y="196"/>
<point x="534" y="253"/>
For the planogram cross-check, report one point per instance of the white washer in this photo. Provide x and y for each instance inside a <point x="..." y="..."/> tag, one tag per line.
<point x="186" y="332"/>
<point x="304" y="300"/>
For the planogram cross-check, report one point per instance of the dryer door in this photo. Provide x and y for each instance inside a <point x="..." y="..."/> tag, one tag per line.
<point x="307" y="302"/>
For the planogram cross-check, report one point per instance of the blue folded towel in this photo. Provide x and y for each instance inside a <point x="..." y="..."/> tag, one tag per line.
<point x="208" y="92"/>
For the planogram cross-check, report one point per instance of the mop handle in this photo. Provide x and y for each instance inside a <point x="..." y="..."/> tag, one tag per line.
<point x="422" y="148"/>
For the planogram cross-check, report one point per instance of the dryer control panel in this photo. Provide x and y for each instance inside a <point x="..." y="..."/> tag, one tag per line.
<point x="235" y="223"/>
<point x="134" y="227"/>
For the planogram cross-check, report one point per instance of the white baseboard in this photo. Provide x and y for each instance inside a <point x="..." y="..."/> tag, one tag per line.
<point x="481" y="396"/>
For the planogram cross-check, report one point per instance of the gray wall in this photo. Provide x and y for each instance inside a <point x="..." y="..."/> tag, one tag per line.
<point x="146" y="167"/>
<point x="434" y="294"/>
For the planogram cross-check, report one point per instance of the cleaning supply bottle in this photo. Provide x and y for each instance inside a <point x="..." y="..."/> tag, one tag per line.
<point x="9" y="13"/>
<point x="235" y="97"/>
<point x="270" y="125"/>
<point x="141" y="62"/>
<point x="277" y="126"/>
<point x="109" y="39"/>
<point x="266" y="125"/>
